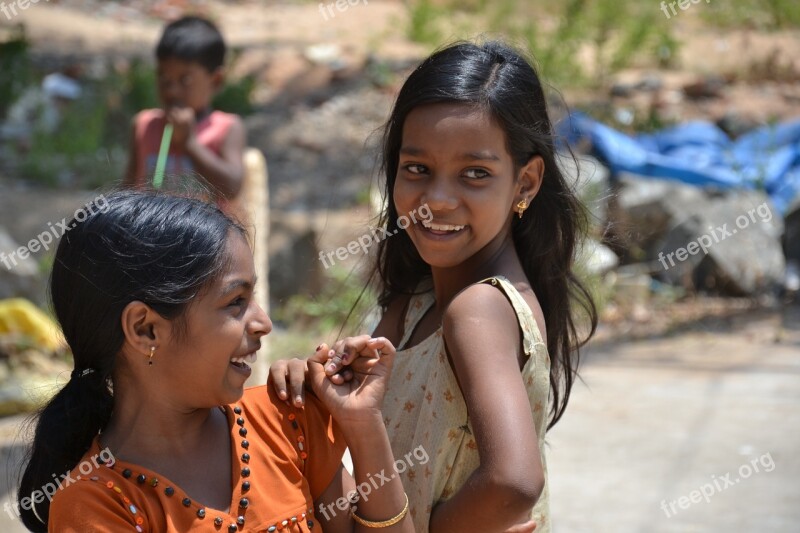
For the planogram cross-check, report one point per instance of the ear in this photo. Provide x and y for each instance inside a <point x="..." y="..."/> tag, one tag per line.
<point x="529" y="179"/>
<point x="143" y="329"/>
<point x="218" y="78"/>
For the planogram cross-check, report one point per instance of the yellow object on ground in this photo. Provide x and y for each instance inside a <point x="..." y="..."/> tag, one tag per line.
<point x="20" y="316"/>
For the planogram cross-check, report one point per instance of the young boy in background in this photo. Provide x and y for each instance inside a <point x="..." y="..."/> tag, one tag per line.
<point x="208" y="143"/>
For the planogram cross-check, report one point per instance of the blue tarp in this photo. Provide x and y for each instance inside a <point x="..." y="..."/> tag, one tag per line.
<point x="700" y="153"/>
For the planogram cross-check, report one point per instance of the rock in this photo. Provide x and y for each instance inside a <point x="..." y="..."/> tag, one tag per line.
<point x="293" y="257"/>
<point x="710" y="87"/>
<point x="622" y="90"/>
<point x="731" y="246"/>
<point x="18" y="277"/>
<point x="644" y="209"/>
<point x="28" y="378"/>
<point x="597" y="258"/>
<point x="650" y="83"/>
<point x="791" y="236"/>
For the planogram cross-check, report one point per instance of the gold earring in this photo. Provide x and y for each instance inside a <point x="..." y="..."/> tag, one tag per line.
<point x="152" y="351"/>
<point x="521" y="207"/>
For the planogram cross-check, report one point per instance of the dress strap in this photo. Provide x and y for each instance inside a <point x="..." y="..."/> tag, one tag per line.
<point x="418" y="305"/>
<point x="531" y="336"/>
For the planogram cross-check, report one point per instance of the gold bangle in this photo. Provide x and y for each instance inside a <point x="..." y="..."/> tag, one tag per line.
<point x="386" y="523"/>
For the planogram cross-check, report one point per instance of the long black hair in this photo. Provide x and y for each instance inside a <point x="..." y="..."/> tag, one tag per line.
<point x="160" y="249"/>
<point x="497" y="79"/>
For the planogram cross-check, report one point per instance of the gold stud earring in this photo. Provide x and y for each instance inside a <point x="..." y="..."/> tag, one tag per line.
<point x="521" y="207"/>
<point x="152" y="351"/>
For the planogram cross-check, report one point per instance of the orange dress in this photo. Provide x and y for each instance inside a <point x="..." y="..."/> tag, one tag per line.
<point x="283" y="458"/>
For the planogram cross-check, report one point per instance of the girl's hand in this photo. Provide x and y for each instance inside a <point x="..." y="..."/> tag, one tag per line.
<point x="289" y="378"/>
<point x="361" y="398"/>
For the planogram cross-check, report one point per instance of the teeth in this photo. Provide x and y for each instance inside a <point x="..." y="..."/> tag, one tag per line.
<point x="441" y="227"/>
<point x="249" y="358"/>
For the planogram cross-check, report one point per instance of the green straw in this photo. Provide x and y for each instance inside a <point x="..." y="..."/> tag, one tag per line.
<point x="158" y="178"/>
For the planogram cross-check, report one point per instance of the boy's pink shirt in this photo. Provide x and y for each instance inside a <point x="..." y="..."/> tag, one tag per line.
<point x="149" y="128"/>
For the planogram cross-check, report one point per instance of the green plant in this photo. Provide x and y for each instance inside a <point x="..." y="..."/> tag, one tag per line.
<point x="762" y="14"/>
<point x="617" y="32"/>
<point x="15" y="68"/>
<point x="330" y="311"/>
<point x="425" y="22"/>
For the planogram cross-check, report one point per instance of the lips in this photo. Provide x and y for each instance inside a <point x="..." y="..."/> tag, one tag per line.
<point x="240" y="364"/>
<point x="440" y="230"/>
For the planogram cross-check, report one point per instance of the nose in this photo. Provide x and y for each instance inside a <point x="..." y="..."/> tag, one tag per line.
<point x="259" y="323"/>
<point x="440" y="196"/>
<point x="171" y="92"/>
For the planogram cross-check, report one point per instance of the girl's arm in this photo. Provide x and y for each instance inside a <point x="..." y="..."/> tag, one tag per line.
<point x="483" y="339"/>
<point x="356" y="407"/>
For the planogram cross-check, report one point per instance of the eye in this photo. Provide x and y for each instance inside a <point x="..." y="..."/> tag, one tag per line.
<point x="238" y="302"/>
<point x="415" y="168"/>
<point x="476" y="173"/>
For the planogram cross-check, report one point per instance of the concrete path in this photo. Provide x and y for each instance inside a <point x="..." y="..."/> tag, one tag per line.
<point x="657" y="420"/>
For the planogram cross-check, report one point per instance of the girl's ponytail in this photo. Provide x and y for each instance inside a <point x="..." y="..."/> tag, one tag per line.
<point x="64" y="432"/>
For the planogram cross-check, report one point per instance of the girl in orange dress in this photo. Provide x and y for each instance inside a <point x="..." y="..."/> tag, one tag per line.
<point x="154" y="431"/>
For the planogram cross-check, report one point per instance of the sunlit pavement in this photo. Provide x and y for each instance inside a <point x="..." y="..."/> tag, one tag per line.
<point x="656" y="420"/>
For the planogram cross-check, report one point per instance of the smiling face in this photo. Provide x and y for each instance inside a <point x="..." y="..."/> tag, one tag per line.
<point x="453" y="158"/>
<point x="186" y="84"/>
<point x="223" y="329"/>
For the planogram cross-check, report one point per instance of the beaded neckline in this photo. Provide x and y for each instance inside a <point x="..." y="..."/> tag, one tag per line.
<point x="234" y="525"/>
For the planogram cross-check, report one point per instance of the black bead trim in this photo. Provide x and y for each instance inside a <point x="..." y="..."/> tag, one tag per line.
<point x="127" y="473"/>
<point x="243" y="503"/>
<point x="245" y="444"/>
<point x="240" y="421"/>
<point x="245" y="486"/>
<point x="240" y="520"/>
<point x="186" y="502"/>
<point x="169" y="491"/>
<point x="201" y="513"/>
<point x="237" y="410"/>
<point x="242" y="432"/>
<point x="141" y="478"/>
<point x="246" y="472"/>
<point x="245" y="457"/>
<point x="232" y="528"/>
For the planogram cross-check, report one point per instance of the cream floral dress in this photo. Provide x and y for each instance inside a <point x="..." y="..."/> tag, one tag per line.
<point x="424" y="408"/>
